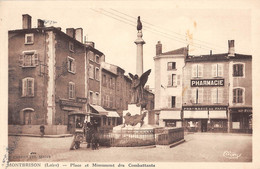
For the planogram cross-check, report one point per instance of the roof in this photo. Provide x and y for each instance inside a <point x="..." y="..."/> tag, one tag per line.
<point x="58" y="30"/>
<point x="180" y="51"/>
<point x="217" y="57"/>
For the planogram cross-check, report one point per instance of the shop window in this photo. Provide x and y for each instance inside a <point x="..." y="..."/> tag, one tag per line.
<point x="197" y="95"/>
<point x="197" y="70"/>
<point x="171" y="65"/>
<point x="104" y="120"/>
<point x="71" y="65"/>
<point x="217" y="95"/>
<point x="217" y="70"/>
<point x="238" y="70"/>
<point x="109" y="121"/>
<point x="71" y="90"/>
<point x="71" y="46"/>
<point x="170" y="123"/>
<point x="29" y="38"/>
<point x="29" y="59"/>
<point x="91" y="71"/>
<point x="238" y="95"/>
<point x="28" y="87"/>
<point x="97" y="74"/>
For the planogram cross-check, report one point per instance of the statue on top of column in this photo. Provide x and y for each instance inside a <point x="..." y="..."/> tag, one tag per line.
<point x="139" y="24"/>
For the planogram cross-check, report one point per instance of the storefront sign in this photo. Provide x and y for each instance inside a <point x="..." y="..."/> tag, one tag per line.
<point x="196" y="108"/>
<point x="81" y="100"/>
<point x="241" y="110"/>
<point x="207" y="82"/>
<point x="70" y="103"/>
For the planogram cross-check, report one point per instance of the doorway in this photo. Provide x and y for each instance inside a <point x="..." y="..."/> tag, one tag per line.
<point x="204" y="125"/>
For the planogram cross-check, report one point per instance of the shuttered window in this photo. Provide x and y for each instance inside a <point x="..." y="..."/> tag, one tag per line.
<point x="28" y="87"/>
<point x="238" y="95"/>
<point x="197" y="95"/>
<point x="217" y="70"/>
<point x="29" y="59"/>
<point x="238" y="70"/>
<point x="71" y="90"/>
<point x="71" y="65"/>
<point x="197" y="70"/>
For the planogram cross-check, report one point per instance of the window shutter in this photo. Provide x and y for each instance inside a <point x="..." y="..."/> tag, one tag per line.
<point x="169" y="101"/>
<point x="241" y="73"/>
<point x="32" y="81"/>
<point x="169" y="66"/>
<point x="214" y="70"/>
<point x="220" y="70"/>
<point x="200" y="95"/>
<point x="194" y="94"/>
<point x="214" y="95"/>
<point x="169" y="80"/>
<point x="73" y="90"/>
<point x="178" y="101"/>
<point x="234" y="95"/>
<point x="174" y="80"/>
<point x="220" y="95"/>
<point x="36" y="59"/>
<point x="178" y="80"/>
<point x="194" y="70"/>
<point x="24" y="90"/>
<point x="68" y="64"/>
<point x="200" y="70"/>
<point x="21" y="60"/>
<point x="73" y="65"/>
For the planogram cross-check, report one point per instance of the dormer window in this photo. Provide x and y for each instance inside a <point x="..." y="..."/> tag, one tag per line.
<point x="29" y="38"/>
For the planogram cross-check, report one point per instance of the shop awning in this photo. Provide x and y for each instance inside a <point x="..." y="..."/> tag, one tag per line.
<point x="167" y="115"/>
<point x="99" y="109"/>
<point x="112" y="114"/>
<point x="77" y="113"/>
<point x="217" y="115"/>
<point x="195" y="115"/>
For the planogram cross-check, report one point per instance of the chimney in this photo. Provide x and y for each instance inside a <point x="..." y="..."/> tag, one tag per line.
<point x="40" y="23"/>
<point x="27" y="21"/>
<point x="70" y="32"/>
<point x="231" y="47"/>
<point x="89" y="43"/>
<point x="79" y="34"/>
<point x="158" y="48"/>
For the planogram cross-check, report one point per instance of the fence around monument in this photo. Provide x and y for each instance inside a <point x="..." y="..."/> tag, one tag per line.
<point x="133" y="138"/>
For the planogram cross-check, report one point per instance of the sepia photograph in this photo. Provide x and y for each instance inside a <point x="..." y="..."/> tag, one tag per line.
<point x="129" y="84"/>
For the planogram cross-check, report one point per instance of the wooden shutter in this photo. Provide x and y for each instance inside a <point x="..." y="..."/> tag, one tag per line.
<point x="178" y="80"/>
<point x="36" y="59"/>
<point x="21" y="60"/>
<point x="234" y="96"/>
<point x="200" y="95"/>
<point x="194" y="95"/>
<point x="220" y="70"/>
<point x="178" y="101"/>
<point x="170" y="80"/>
<point x="214" y="95"/>
<point x="220" y="95"/>
<point x="200" y="70"/>
<point x="24" y="88"/>
<point x="214" y="70"/>
<point x="194" y="70"/>
<point x="169" y="101"/>
<point x="73" y="66"/>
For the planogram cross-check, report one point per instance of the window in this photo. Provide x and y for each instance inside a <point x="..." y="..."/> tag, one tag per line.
<point x="28" y="117"/>
<point x="96" y="100"/>
<point x="97" y="58"/>
<point x="97" y="74"/>
<point x="197" y="95"/>
<point x="111" y="83"/>
<point x="217" y="95"/>
<point x="29" y="38"/>
<point x="172" y="80"/>
<point x="171" y="65"/>
<point x="197" y="70"/>
<point x="28" y="87"/>
<point x="238" y="95"/>
<point x="29" y="59"/>
<point x="71" y="90"/>
<point x="71" y="65"/>
<point x="91" y="71"/>
<point x="107" y="101"/>
<point x="71" y="46"/>
<point x="217" y="70"/>
<point x="104" y="120"/>
<point x="90" y="97"/>
<point x="238" y="70"/>
<point x="111" y="100"/>
<point x="173" y="101"/>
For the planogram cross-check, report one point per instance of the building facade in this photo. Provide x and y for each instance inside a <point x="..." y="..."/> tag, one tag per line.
<point x="168" y="86"/>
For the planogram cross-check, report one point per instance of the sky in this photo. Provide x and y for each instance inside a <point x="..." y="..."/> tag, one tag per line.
<point x="112" y="26"/>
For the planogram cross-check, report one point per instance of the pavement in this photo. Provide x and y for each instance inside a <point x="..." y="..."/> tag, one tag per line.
<point x="198" y="147"/>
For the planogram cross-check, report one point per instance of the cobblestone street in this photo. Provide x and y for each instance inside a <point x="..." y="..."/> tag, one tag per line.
<point x="198" y="147"/>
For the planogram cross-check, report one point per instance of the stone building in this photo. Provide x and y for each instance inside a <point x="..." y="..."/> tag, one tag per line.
<point x="168" y="86"/>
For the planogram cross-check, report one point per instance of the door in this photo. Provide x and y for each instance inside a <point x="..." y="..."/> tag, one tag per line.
<point x="204" y="125"/>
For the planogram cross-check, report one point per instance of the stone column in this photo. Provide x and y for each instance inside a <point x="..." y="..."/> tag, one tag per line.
<point x="139" y="55"/>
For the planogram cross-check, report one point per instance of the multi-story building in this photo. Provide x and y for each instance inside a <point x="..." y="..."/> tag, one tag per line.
<point x="216" y="90"/>
<point x="168" y="86"/>
<point x="46" y="76"/>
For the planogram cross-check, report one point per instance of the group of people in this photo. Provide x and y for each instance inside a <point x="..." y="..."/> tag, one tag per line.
<point x="91" y="134"/>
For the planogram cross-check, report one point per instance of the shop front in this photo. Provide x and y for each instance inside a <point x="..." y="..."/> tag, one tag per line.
<point x="205" y="118"/>
<point x="241" y="120"/>
<point x="169" y="118"/>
